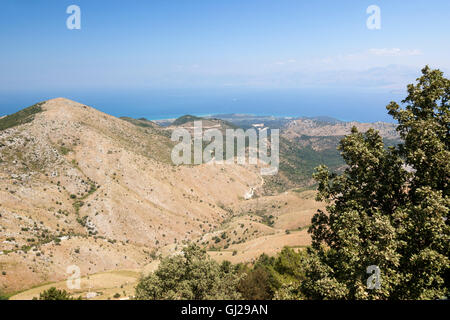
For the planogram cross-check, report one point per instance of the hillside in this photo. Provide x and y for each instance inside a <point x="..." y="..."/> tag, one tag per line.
<point x="81" y="187"/>
<point x="325" y="127"/>
<point x="185" y="119"/>
<point x="306" y="143"/>
<point x="187" y="122"/>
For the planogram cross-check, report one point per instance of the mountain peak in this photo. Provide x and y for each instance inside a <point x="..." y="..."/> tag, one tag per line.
<point x="62" y="102"/>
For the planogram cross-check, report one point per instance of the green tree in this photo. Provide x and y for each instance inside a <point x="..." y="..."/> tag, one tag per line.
<point x="55" y="294"/>
<point x="274" y="277"/>
<point x="290" y="265"/>
<point x="257" y="282"/>
<point x="192" y="276"/>
<point x="389" y="208"/>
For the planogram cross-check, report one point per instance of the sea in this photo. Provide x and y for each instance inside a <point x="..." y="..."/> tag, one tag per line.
<point x="347" y="104"/>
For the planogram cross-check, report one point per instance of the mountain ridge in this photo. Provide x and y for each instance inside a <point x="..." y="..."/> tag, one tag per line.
<point x="82" y="187"/>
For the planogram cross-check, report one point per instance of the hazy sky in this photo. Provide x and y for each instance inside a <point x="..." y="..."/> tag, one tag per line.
<point x="219" y="44"/>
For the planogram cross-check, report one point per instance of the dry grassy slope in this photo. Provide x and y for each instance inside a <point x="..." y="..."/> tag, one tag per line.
<point x="124" y="189"/>
<point x="100" y="286"/>
<point x="263" y="225"/>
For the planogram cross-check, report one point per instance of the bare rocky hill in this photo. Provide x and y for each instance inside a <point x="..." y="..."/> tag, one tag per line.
<point x="80" y="187"/>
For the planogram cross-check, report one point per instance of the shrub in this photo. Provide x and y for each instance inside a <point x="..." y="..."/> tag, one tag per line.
<point x="256" y="284"/>
<point x="192" y="275"/>
<point x="55" y="294"/>
<point x="3" y="296"/>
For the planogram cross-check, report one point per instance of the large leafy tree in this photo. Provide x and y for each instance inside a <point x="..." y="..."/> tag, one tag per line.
<point x="390" y="206"/>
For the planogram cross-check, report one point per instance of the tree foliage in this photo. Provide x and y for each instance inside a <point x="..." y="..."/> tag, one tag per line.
<point x="274" y="277"/>
<point x="55" y="294"/>
<point x="190" y="276"/>
<point x="389" y="208"/>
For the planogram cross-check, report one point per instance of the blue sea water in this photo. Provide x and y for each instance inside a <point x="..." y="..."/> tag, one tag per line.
<point x="344" y="104"/>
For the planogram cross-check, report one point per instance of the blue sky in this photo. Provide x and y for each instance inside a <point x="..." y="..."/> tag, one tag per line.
<point x="228" y="47"/>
